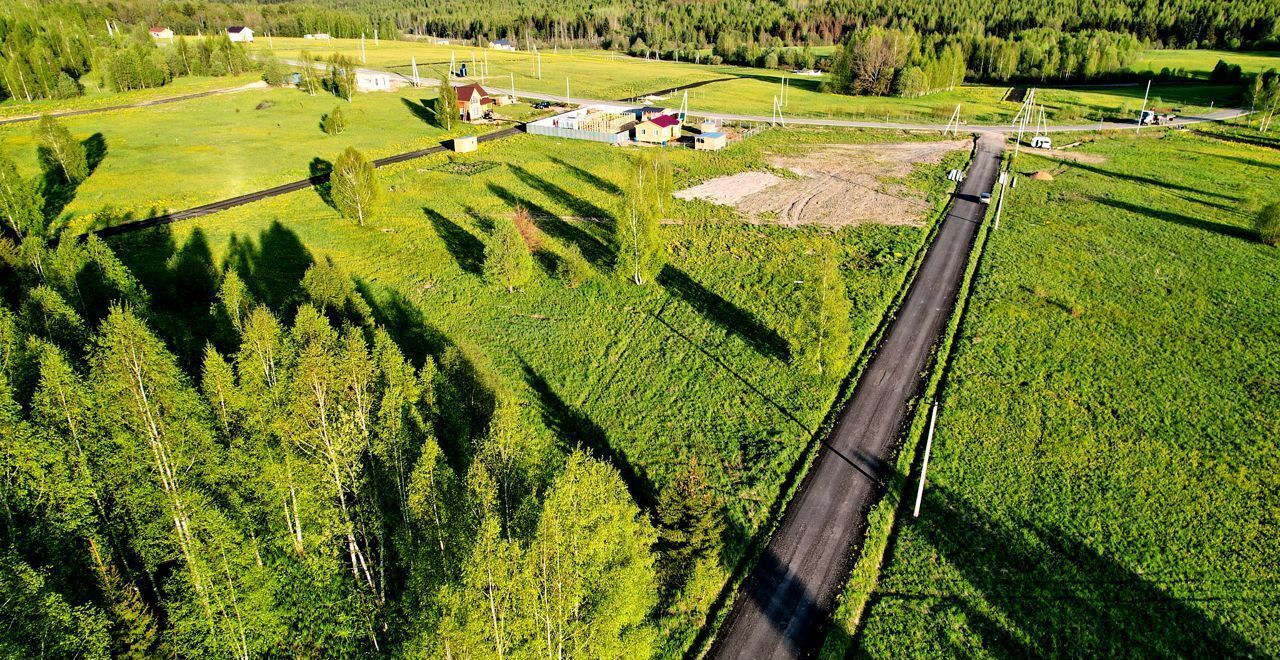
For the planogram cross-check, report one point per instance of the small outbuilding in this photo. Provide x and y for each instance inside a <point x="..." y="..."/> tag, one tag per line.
<point x="323" y="36"/>
<point x="710" y="141"/>
<point x="465" y="144"/>
<point x="659" y="130"/>
<point x="160" y="33"/>
<point x="240" y="33"/>
<point x="502" y="44"/>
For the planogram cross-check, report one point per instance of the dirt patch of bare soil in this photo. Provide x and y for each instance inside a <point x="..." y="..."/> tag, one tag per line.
<point x="1072" y="156"/>
<point x="839" y="185"/>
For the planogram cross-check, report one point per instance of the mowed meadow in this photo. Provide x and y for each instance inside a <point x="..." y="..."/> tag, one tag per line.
<point x="691" y="370"/>
<point x="1104" y="475"/>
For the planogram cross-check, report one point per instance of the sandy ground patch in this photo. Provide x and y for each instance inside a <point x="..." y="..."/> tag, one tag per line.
<point x="839" y="185"/>
<point x="729" y="190"/>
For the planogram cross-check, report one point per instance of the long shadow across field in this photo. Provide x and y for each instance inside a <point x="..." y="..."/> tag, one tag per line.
<point x="723" y="313"/>
<point x="587" y="176"/>
<point x="57" y="190"/>
<point x="1052" y="595"/>
<point x="592" y="248"/>
<point x="466" y="249"/>
<point x="1179" y="219"/>
<point x="575" y="204"/>
<point x="579" y="430"/>
<point x="1148" y="181"/>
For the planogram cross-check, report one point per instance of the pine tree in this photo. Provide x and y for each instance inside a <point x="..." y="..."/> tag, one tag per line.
<point x="506" y="256"/>
<point x="689" y="524"/>
<point x="355" y="188"/>
<point x="61" y="152"/>
<point x="1267" y="224"/>
<point x="21" y="205"/>
<point x="636" y="229"/>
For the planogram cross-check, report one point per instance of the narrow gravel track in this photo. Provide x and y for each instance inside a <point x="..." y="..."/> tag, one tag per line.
<point x="140" y="104"/>
<point x="790" y="593"/>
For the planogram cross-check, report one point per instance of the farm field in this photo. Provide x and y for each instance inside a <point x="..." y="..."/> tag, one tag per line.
<point x="607" y="75"/>
<point x="693" y="368"/>
<point x="96" y="97"/>
<point x="177" y="156"/>
<point x="1104" y="476"/>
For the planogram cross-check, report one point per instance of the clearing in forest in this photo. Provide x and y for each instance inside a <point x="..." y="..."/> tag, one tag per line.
<point x="836" y="185"/>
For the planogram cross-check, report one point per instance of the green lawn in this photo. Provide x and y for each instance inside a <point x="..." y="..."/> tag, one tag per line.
<point x="693" y="368"/>
<point x="177" y="156"/>
<point x="1203" y="61"/>
<point x="96" y="97"/>
<point x="1104" y="477"/>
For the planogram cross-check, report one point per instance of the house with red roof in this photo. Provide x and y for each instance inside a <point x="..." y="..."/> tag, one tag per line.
<point x="472" y="100"/>
<point x="161" y="33"/>
<point x="659" y="129"/>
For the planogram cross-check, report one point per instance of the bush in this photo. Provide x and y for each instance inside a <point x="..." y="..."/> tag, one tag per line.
<point x="573" y="268"/>
<point x="1267" y="223"/>
<point x="334" y="123"/>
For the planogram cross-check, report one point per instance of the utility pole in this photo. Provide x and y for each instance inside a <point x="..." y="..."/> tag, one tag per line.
<point x="1144" y="107"/>
<point x="363" y="60"/>
<point x="953" y="124"/>
<point x="414" y="61"/>
<point x="513" y="86"/>
<point x="924" y="468"/>
<point x="375" y="37"/>
<point x="1000" y="202"/>
<point x="566" y="89"/>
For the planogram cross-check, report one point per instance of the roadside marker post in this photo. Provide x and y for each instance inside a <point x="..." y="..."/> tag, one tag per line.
<point x="928" y="446"/>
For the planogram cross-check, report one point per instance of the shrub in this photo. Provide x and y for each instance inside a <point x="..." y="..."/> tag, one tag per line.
<point x="573" y="268"/>
<point x="1267" y="223"/>
<point x="334" y="122"/>
<point x="528" y="231"/>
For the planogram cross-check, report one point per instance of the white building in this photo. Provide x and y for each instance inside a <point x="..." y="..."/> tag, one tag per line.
<point x="323" y="36"/>
<point x="373" y="81"/>
<point x="161" y="33"/>
<point x="502" y="44"/>
<point x="240" y="33"/>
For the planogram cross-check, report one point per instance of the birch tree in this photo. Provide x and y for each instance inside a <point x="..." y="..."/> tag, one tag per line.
<point x="355" y="186"/>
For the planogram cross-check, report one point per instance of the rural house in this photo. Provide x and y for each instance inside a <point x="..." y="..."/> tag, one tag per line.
<point x="240" y="33"/>
<point x="161" y="33"/>
<point x="471" y="101"/>
<point x="659" y="130"/>
<point x="709" y="141"/>
<point x="319" y="35"/>
<point x="373" y="81"/>
<point x="502" y="44"/>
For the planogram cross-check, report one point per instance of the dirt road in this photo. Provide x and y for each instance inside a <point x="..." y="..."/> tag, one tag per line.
<point x="140" y="104"/>
<point x="790" y="592"/>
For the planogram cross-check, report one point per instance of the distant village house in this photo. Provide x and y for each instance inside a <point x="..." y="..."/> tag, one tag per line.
<point x="502" y="44"/>
<point x="240" y="33"/>
<point x="373" y="81"/>
<point x="161" y="33"/>
<point x="323" y="36"/>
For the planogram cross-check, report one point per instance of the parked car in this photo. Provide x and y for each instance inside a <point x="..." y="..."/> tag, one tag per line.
<point x="985" y="198"/>
<point x="542" y="105"/>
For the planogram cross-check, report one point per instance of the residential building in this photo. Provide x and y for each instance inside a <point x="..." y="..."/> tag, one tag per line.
<point x="240" y="33"/>
<point x="161" y="33"/>
<point x="659" y="130"/>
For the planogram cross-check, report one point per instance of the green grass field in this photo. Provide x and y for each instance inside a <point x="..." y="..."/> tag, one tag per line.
<point x="1104" y="476"/>
<point x="1203" y="61"/>
<point x="691" y="368"/>
<point x="741" y="90"/>
<point x="182" y="155"/>
<point x="96" y="97"/>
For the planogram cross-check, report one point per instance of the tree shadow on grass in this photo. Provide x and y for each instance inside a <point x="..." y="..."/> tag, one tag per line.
<point x="730" y="317"/>
<point x="1257" y="141"/>
<point x="272" y="268"/>
<point x="1179" y="219"/>
<point x="593" y="249"/>
<point x="580" y="207"/>
<point x="1050" y="594"/>
<point x="320" y="171"/>
<point x="57" y="190"/>
<point x="603" y="185"/>
<point x="466" y="249"/>
<point x="580" y="431"/>
<point x="1148" y="181"/>
<point x="421" y="110"/>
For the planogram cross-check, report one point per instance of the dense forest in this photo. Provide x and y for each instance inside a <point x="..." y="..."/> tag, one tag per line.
<point x="213" y="461"/>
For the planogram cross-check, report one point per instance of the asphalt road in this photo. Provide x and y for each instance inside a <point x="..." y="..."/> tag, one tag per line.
<point x="790" y="593"/>
<point x="140" y="104"/>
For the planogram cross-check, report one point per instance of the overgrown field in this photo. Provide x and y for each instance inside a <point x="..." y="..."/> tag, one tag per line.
<point x="170" y="157"/>
<point x="690" y="371"/>
<point x="97" y="97"/>
<point x="1104" y="475"/>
